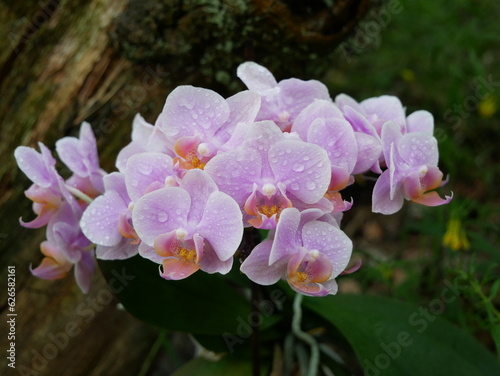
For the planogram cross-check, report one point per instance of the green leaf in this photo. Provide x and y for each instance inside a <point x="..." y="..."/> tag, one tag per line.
<point x="225" y="366"/>
<point x="395" y="338"/>
<point x="495" y="333"/>
<point x="202" y="303"/>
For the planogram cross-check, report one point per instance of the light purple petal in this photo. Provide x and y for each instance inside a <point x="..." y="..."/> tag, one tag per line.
<point x="295" y="94"/>
<point x="115" y="181"/>
<point x="68" y="150"/>
<point x="381" y="199"/>
<point x="235" y="172"/>
<point x="418" y="149"/>
<point x="99" y="222"/>
<point x="200" y="186"/>
<point x="359" y="122"/>
<point x="35" y="166"/>
<point x="286" y="238"/>
<point x="343" y="100"/>
<point x="337" y="138"/>
<point x="243" y="108"/>
<point x="84" y="271"/>
<point x="256" y="77"/>
<point x="369" y="150"/>
<point x="191" y="110"/>
<point x="123" y="250"/>
<point x="222" y="225"/>
<point x="318" y="109"/>
<point x="144" y="169"/>
<point x="387" y="108"/>
<point x="257" y="268"/>
<point x="160" y="212"/>
<point x="420" y="121"/>
<point x="304" y="168"/>
<point x="330" y="241"/>
<point x="391" y="134"/>
<point x="210" y="262"/>
<point x="149" y="253"/>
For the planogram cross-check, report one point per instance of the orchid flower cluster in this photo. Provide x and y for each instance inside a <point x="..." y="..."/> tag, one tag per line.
<point x="273" y="157"/>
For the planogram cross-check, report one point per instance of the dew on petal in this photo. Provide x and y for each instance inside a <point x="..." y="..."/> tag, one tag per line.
<point x="162" y="217"/>
<point x="310" y="185"/>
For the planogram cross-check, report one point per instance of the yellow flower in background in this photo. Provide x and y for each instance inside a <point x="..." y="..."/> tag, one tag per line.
<point x="455" y="237"/>
<point x="408" y="75"/>
<point x="487" y="107"/>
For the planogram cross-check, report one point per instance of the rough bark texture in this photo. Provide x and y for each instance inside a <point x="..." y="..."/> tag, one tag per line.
<point x="62" y="62"/>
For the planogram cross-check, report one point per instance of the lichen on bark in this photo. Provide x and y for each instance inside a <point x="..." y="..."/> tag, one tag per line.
<point x="290" y="37"/>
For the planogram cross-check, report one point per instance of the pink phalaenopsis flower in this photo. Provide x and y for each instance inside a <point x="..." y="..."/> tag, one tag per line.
<point x="198" y="123"/>
<point x="190" y="227"/>
<point x="281" y="102"/>
<point x="270" y="172"/>
<point x="48" y="190"/>
<point x="308" y="250"/>
<point x="412" y="171"/>
<point x="66" y="246"/>
<point x="80" y="156"/>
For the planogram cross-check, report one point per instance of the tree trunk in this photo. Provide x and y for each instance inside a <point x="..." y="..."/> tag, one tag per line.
<point x="62" y="62"/>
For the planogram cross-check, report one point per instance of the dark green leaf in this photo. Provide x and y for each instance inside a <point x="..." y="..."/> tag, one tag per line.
<point x="202" y="303"/>
<point x="225" y="366"/>
<point x="395" y="338"/>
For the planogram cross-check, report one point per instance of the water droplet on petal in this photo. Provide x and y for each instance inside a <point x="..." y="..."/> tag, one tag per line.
<point x="310" y="185"/>
<point x="298" y="168"/>
<point x="162" y="217"/>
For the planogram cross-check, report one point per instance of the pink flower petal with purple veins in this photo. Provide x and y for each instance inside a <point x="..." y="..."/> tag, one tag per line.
<point x="115" y="181"/>
<point x="337" y="138"/>
<point x="343" y="100"/>
<point x="84" y="271"/>
<point x="80" y="155"/>
<point x="190" y="110"/>
<point x="38" y="167"/>
<point x="256" y="266"/>
<point x="235" y="172"/>
<point x="384" y="108"/>
<point x="369" y="151"/>
<point x="243" y="108"/>
<point x="54" y="265"/>
<point x="391" y="134"/>
<point x="418" y="149"/>
<point x="145" y="169"/>
<point x="160" y="212"/>
<point x="261" y="135"/>
<point x="257" y="78"/>
<point x="318" y="109"/>
<point x="330" y="241"/>
<point x="222" y="225"/>
<point x="100" y="220"/>
<point x="210" y="262"/>
<point x="295" y="94"/>
<point x="200" y="187"/>
<point x="302" y="167"/>
<point x="123" y="250"/>
<point x="359" y="122"/>
<point x="67" y="149"/>
<point x="381" y="198"/>
<point x="286" y="238"/>
<point x="420" y="121"/>
<point x="148" y="252"/>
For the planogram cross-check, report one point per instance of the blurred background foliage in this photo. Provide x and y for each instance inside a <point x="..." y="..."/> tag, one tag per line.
<point x="442" y="57"/>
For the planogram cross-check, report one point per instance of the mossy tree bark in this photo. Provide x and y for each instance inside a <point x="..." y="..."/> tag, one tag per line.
<point x="65" y="61"/>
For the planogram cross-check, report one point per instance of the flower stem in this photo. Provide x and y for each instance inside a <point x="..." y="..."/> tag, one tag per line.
<point x="79" y="194"/>
<point x="297" y="317"/>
